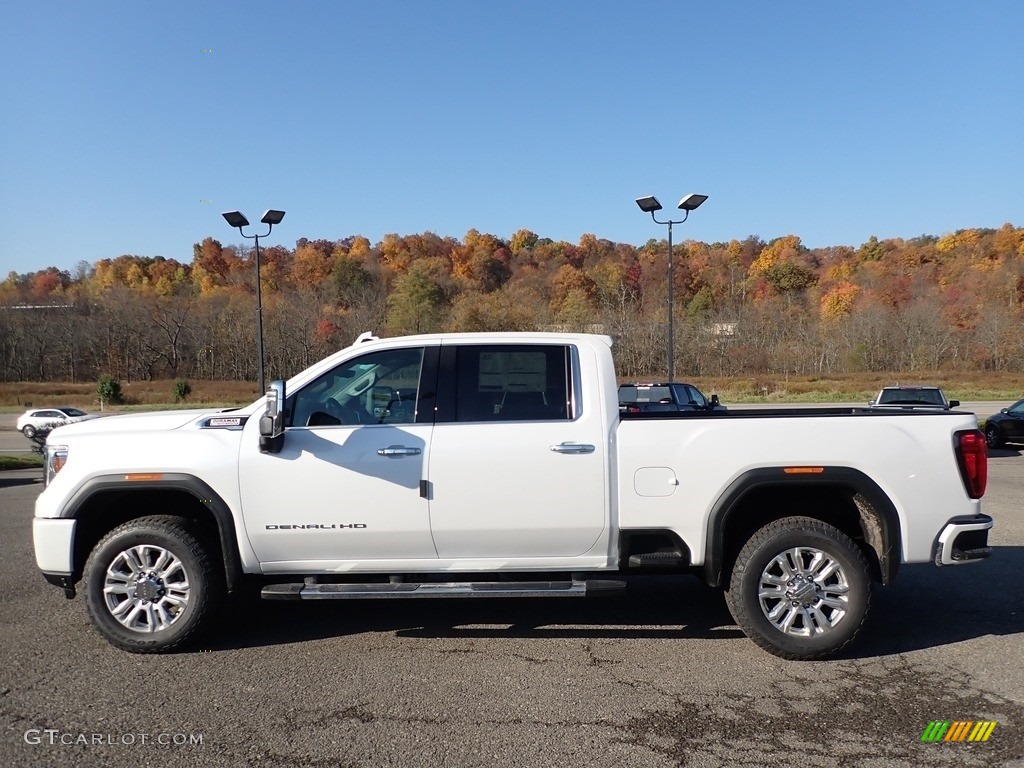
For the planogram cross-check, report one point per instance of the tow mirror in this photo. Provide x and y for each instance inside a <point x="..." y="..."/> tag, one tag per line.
<point x="954" y="403"/>
<point x="272" y="420"/>
<point x="714" y="401"/>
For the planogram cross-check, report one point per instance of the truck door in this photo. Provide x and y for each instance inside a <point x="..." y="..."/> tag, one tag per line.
<point x="518" y="459"/>
<point x="347" y="483"/>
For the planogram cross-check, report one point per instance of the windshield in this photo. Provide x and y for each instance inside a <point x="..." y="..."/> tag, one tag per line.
<point x="911" y="397"/>
<point x="73" y="412"/>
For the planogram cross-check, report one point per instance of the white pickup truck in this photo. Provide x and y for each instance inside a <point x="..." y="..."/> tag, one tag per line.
<point x="490" y="465"/>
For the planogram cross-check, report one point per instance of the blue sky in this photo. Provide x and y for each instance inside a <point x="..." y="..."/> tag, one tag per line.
<point x="832" y="121"/>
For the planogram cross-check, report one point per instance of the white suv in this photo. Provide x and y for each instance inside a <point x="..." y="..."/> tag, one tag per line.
<point x="36" y="419"/>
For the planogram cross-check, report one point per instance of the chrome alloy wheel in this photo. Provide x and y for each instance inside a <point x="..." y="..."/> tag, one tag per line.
<point x="804" y="592"/>
<point x="146" y="588"/>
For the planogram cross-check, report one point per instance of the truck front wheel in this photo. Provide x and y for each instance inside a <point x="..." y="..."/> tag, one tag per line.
<point x="151" y="584"/>
<point x="800" y="588"/>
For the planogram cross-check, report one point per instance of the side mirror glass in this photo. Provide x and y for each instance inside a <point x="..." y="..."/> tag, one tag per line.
<point x="714" y="400"/>
<point x="272" y="420"/>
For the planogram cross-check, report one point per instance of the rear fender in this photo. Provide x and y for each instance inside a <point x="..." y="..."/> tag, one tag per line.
<point x="877" y="516"/>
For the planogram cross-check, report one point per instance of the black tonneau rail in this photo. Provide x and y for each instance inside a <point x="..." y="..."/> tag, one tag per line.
<point x="766" y="413"/>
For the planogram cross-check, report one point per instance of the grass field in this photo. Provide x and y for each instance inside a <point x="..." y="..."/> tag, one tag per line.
<point x="138" y="395"/>
<point x="23" y="461"/>
<point x="859" y="387"/>
<point x="841" y="388"/>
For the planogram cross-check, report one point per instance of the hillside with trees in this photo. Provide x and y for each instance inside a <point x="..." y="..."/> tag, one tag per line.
<point x="931" y="303"/>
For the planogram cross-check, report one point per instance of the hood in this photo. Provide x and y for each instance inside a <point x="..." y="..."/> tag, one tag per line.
<point x="157" y="421"/>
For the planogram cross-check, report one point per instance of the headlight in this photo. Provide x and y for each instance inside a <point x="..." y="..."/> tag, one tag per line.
<point x="54" y="457"/>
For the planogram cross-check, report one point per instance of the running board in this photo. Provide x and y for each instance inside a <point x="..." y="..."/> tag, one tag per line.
<point x="449" y="589"/>
<point x="658" y="560"/>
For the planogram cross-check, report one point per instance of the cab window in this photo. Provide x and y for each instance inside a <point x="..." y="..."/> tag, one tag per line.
<point x="376" y="388"/>
<point x="512" y="383"/>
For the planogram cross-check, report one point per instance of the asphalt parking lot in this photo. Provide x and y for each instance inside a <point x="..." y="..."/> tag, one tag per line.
<point x="658" y="677"/>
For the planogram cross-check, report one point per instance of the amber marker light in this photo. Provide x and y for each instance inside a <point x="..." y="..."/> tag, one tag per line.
<point x="803" y="470"/>
<point x="144" y="476"/>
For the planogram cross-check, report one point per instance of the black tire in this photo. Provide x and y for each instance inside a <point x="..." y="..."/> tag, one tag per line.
<point x="992" y="437"/>
<point x="29" y="431"/>
<point x="191" y="558"/>
<point x="758" y="558"/>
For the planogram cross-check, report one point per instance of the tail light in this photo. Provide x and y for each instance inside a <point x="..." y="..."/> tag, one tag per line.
<point x="972" y="458"/>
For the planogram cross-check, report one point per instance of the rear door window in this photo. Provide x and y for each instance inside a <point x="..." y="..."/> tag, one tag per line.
<point x="511" y="383"/>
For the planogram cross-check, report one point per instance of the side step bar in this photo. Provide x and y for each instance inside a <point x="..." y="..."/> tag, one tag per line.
<point x="658" y="560"/>
<point x="449" y="589"/>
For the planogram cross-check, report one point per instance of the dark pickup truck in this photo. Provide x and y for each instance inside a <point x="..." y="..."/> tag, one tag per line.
<point x="666" y="398"/>
<point x="913" y="397"/>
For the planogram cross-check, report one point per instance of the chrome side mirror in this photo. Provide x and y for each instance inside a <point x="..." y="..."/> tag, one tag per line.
<point x="272" y="420"/>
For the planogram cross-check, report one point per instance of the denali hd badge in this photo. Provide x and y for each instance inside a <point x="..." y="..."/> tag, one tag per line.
<point x="315" y="526"/>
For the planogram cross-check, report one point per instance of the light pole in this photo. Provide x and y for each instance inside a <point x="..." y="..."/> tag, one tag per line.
<point x="270" y="218"/>
<point x="687" y="204"/>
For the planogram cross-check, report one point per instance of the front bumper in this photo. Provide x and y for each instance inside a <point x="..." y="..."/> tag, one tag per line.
<point x="964" y="540"/>
<point x="54" y="541"/>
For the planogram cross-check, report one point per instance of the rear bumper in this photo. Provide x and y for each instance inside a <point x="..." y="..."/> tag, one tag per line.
<point x="964" y="540"/>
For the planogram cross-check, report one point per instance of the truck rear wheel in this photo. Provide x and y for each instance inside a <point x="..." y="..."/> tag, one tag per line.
<point x="800" y="588"/>
<point x="152" y="584"/>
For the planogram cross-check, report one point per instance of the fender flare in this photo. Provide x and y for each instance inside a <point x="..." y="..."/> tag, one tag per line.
<point x="176" y="481"/>
<point x="886" y="541"/>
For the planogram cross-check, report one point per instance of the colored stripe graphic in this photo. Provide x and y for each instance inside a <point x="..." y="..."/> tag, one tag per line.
<point x="935" y="731"/>
<point x="958" y="730"/>
<point x="982" y="731"/>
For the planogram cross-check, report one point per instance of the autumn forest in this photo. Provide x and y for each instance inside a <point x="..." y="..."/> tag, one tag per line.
<point x="931" y="303"/>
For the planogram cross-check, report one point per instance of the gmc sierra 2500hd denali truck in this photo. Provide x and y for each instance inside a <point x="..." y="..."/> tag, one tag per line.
<point x="489" y="465"/>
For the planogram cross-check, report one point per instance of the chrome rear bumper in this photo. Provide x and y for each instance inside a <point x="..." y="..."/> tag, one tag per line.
<point x="964" y="540"/>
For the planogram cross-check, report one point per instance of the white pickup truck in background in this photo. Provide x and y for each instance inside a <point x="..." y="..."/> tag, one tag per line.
<point x="489" y="465"/>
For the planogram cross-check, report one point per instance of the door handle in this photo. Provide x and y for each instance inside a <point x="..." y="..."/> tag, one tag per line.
<point x="398" y="450"/>
<point x="572" y="448"/>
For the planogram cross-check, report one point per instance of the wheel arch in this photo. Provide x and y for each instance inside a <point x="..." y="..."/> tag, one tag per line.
<point x="841" y="496"/>
<point x="104" y="502"/>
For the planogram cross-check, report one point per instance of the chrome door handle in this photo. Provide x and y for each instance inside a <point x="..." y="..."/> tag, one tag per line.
<point x="572" y="448"/>
<point x="398" y="450"/>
